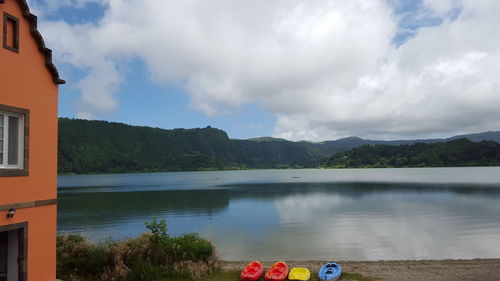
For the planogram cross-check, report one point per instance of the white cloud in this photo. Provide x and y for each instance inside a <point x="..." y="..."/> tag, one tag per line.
<point x="441" y="7"/>
<point x="84" y="115"/>
<point x="327" y="69"/>
<point x="83" y="47"/>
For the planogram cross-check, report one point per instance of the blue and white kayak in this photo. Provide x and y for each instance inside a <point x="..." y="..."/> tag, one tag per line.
<point x="330" y="271"/>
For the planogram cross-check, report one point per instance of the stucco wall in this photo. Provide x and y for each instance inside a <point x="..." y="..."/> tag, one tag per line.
<point x="25" y="82"/>
<point x="41" y="262"/>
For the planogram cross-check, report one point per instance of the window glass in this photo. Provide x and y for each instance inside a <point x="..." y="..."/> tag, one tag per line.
<point x="11" y="141"/>
<point x="13" y="153"/>
<point x="1" y="138"/>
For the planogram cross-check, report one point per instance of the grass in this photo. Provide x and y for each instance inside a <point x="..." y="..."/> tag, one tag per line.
<point x="234" y="275"/>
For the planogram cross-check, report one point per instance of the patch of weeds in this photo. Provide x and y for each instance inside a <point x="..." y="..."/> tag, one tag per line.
<point x="233" y="275"/>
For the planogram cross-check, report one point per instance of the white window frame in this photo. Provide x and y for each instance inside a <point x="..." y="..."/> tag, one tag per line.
<point x="20" y="139"/>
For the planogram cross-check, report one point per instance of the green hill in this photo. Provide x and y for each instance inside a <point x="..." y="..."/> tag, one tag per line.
<point x="455" y="153"/>
<point x="106" y="147"/>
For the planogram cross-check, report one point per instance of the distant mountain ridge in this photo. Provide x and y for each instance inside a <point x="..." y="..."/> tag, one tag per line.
<point x="107" y="147"/>
<point x="486" y="136"/>
<point x="352" y="142"/>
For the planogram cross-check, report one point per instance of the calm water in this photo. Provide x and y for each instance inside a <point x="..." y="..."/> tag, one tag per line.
<point x="299" y="214"/>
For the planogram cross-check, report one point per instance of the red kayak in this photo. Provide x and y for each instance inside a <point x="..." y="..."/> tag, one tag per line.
<point x="253" y="271"/>
<point x="277" y="272"/>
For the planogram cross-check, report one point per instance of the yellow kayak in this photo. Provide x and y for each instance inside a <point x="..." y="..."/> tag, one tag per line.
<point x="299" y="273"/>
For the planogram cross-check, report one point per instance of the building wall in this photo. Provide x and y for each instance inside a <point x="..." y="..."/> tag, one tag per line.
<point x="41" y="240"/>
<point x="25" y="82"/>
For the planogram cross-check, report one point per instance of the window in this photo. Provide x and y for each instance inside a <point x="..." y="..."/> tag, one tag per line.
<point x="12" y="140"/>
<point x="10" y="33"/>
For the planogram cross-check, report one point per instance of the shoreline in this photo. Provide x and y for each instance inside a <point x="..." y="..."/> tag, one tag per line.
<point x="397" y="270"/>
<point x="259" y="169"/>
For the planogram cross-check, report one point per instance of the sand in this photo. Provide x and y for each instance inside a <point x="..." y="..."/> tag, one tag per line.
<point x="421" y="270"/>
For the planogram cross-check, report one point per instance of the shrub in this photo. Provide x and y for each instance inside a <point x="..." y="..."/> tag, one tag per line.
<point x="192" y="248"/>
<point x="78" y="259"/>
<point x="149" y="257"/>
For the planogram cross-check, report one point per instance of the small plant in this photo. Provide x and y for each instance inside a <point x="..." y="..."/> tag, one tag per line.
<point x="158" y="228"/>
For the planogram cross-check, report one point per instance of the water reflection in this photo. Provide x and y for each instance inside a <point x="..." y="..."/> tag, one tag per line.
<point x="391" y="225"/>
<point x="301" y="220"/>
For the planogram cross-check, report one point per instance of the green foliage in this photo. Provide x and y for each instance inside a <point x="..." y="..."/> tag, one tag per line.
<point x="105" y="147"/>
<point x="192" y="247"/>
<point x="158" y="228"/>
<point x="143" y="270"/>
<point x="76" y="256"/>
<point x="149" y="257"/>
<point x="456" y="153"/>
<point x="187" y="247"/>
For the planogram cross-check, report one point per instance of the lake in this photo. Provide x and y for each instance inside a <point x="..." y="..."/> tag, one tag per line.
<point x="310" y="214"/>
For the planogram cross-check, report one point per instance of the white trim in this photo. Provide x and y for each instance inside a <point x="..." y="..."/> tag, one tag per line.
<point x="20" y="152"/>
<point x="4" y="138"/>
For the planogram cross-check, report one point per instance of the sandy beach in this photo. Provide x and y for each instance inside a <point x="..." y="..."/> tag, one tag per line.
<point x="409" y="270"/>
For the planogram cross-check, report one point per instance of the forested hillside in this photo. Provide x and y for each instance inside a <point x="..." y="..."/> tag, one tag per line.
<point x="105" y="147"/>
<point x="455" y="153"/>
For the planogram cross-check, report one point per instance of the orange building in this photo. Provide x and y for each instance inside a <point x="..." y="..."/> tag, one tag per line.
<point x="28" y="148"/>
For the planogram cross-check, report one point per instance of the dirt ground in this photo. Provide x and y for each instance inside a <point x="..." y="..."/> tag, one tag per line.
<point x="419" y="270"/>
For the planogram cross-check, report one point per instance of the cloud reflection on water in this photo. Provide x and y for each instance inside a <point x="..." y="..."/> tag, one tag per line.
<point x="393" y="225"/>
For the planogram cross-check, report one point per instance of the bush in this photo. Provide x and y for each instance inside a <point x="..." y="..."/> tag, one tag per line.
<point x="76" y="256"/>
<point x="149" y="257"/>
<point x="191" y="247"/>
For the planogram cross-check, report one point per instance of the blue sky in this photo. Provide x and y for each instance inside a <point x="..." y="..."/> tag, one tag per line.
<point x="145" y="103"/>
<point x="313" y="70"/>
